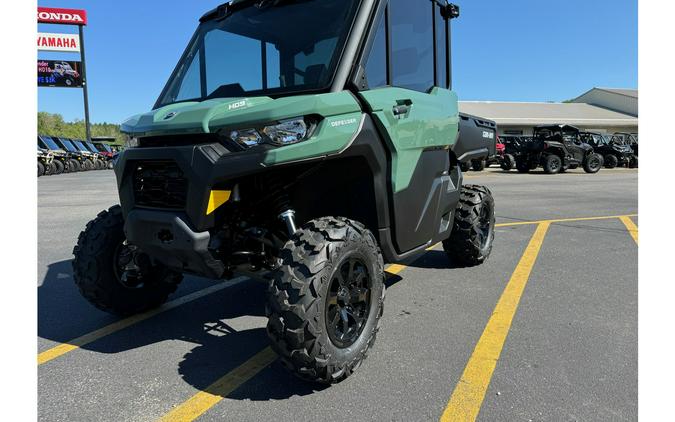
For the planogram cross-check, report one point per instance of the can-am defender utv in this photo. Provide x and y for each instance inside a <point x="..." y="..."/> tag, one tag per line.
<point x="305" y="143"/>
<point x="558" y="148"/>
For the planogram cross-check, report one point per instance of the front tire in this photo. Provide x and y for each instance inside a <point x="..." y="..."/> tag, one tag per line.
<point x="523" y="166"/>
<point x="101" y="263"/>
<point x="325" y="301"/>
<point x="611" y="161"/>
<point x="58" y="167"/>
<point x="41" y="169"/>
<point x="465" y="167"/>
<point x="593" y="163"/>
<point x="633" y="163"/>
<point x="473" y="232"/>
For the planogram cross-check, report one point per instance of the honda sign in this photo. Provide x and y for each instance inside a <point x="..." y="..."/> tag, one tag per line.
<point x="62" y="16"/>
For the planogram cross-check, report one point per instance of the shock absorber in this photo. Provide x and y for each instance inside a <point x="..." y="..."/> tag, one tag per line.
<point x="281" y="203"/>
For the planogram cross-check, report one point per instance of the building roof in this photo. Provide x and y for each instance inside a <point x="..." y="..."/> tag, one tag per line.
<point x="627" y="92"/>
<point x="532" y="114"/>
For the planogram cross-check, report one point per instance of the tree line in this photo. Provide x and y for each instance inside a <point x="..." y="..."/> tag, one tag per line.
<point x="53" y="125"/>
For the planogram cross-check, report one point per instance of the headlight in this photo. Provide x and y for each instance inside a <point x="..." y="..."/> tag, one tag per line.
<point x="286" y="132"/>
<point x="131" y="143"/>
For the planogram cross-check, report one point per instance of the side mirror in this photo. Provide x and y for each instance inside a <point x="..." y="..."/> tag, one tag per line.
<point x="450" y="11"/>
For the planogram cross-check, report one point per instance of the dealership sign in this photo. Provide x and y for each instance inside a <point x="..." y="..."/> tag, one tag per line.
<point x="59" y="73"/>
<point x="62" y="16"/>
<point x="58" y="42"/>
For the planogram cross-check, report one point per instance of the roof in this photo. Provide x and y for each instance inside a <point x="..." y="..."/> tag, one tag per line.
<point x="627" y="92"/>
<point x="533" y="114"/>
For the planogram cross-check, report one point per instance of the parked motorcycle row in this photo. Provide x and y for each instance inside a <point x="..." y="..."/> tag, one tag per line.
<point x="57" y="155"/>
<point x="558" y="148"/>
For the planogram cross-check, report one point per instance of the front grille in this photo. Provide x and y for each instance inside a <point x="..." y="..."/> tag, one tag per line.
<point x="159" y="184"/>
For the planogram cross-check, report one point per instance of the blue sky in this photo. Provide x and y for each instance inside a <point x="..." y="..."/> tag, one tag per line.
<point x="517" y="50"/>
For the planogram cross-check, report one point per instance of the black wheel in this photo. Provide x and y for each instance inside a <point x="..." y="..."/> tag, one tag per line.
<point x="100" y="165"/>
<point x="508" y="162"/>
<point x="611" y="161"/>
<point x="593" y="163"/>
<point x="58" y="167"/>
<point x="552" y="164"/>
<point x="326" y="299"/>
<point x="88" y="164"/>
<point x="466" y="166"/>
<point x="49" y="169"/>
<point x="633" y="163"/>
<point x="473" y="232"/>
<point x="41" y="169"/>
<point x="74" y="165"/>
<point x="522" y="166"/>
<point x="478" y="165"/>
<point x="114" y="276"/>
<point x="111" y="165"/>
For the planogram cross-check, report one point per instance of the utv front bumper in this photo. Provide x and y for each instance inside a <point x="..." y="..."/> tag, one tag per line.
<point x="166" y="237"/>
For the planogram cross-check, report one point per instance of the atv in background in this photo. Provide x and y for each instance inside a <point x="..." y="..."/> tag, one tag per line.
<point x="514" y="146"/>
<point x="62" y="162"/>
<point x="481" y="135"/>
<point x="631" y="140"/>
<point x="613" y="153"/>
<point x="97" y="159"/>
<point x="502" y="159"/>
<point x="83" y="160"/>
<point x="342" y="155"/>
<point x="104" y="158"/>
<point x="45" y="162"/>
<point x="558" y="148"/>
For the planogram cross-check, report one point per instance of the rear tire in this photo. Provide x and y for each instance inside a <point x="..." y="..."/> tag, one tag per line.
<point x="478" y="165"/>
<point x="552" y="164"/>
<point x="331" y="277"/>
<point x="97" y="273"/>
<point x="611" y="161"/>
<point x="465" y="167"/>
<point x="473" y="232"/>
<point x="633" y="163"/>
<point x="593" y="163"/>
<point x="508" y="163"/>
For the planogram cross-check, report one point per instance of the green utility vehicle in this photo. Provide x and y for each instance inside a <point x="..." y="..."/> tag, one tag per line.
<point x="305" y="143"/>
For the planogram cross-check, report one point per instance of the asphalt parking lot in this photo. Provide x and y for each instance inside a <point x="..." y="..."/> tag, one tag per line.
<point x="545" y="330"/>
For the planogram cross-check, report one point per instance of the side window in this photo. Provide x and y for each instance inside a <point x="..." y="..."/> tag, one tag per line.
<point x="412" y="44"/>
<point x="376" y="66"/>
<point x="441" y="52"/>
<point x="190" y="87"/>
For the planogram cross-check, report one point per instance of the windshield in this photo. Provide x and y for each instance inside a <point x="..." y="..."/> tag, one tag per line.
<point x="91" y="147"/>
<point x="48" y="142"/>
<point x="268" y="50"/>
<point x="80" y="146"/>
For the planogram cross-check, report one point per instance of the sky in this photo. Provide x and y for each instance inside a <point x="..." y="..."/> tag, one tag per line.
<point x="516" y="50"/>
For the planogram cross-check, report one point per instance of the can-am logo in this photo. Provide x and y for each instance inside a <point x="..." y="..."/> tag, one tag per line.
<point x="63" y="16"/>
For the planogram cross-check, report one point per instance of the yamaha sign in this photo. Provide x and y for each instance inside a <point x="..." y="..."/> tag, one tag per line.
<point x="62" y="16"/>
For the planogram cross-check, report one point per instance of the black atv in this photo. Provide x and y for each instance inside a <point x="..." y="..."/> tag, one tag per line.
<point x="342" y="155"/>
<point x="558" y="148"/>
<point x="614" y="153"/>
<point x="515" y="146"/>
<point x="62" y="161"/>
<point x="630" y="140"/>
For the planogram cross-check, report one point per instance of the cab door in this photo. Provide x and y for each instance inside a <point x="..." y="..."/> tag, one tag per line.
<point x="416" y="115"/>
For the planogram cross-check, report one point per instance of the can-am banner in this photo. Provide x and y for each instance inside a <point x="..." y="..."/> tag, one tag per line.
<point x="58" y="42"/>
<point x="59" y="73"/>
<point x="62" y="16"/>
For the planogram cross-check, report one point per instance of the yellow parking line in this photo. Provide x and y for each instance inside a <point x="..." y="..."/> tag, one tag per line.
<point x="632" y="228"/>
<point x="563" y="220"/>
<point x="76" y="343"/>
<point x="467" y="398"/>
<point x="196" y="405"/>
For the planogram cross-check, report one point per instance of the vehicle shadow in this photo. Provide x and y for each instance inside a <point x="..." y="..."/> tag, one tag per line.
<point x="436" y="260"/>
<point x="226" y="328"/>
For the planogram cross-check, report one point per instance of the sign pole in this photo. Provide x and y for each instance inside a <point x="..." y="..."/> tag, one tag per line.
<point x="84" y="85"/>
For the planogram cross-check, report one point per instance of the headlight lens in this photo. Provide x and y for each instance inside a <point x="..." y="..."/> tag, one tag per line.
<point x="131" y="143"/>
<point x="286" y="132"/>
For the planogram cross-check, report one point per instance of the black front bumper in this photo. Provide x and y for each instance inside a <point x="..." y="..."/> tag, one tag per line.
<point x="168" y="238"/>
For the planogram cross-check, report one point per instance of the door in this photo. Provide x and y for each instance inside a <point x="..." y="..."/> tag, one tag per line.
<point x="417" y="117"/>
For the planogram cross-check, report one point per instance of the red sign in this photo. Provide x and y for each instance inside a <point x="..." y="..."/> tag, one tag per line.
<point x="62" y="16"/>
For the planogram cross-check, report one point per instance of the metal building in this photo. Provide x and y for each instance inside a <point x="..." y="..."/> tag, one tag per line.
<point x="599" y="110"/>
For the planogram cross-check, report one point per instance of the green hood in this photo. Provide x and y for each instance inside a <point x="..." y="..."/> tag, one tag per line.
<point x="211" y="115"/>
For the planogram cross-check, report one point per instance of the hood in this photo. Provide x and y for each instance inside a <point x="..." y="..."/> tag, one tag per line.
<point x="211" y="115"/>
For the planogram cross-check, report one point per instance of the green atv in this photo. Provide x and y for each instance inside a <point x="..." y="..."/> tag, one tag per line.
<point x="304" y="143"/>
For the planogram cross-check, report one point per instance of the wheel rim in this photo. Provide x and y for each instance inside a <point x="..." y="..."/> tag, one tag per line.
<point x="484" y="225"/>
<point x="554" y="165"/>
<point x="127" y="271"/>
<point x="348" y="302"/>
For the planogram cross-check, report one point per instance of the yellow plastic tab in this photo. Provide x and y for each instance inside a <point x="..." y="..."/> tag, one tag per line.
<point x="216" y="199"/>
